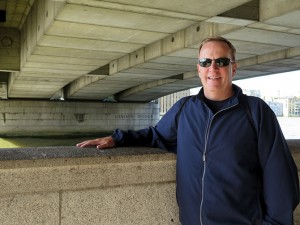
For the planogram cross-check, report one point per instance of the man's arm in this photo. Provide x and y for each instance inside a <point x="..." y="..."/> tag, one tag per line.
<point x="163" y="135"/>
<point x="279" y="171"/>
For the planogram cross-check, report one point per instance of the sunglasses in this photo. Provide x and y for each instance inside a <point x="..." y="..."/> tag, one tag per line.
<point x="221" y="62"/>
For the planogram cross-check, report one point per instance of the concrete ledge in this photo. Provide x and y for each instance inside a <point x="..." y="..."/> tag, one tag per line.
<point x="74" y="152"/>
<point x="71" y="152"/>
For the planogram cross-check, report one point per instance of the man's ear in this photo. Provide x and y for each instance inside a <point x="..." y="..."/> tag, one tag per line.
<point x="234" y="68"/>
<point x="198" y="69"/>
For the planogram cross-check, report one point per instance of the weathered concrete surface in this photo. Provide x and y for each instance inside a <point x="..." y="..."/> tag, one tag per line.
<point x="39" y="208"/>
<point x="115" y="49"/>
<point x="143" y="204"/>
<point x="70" y="152"/>
<point x="19" y="118"/>
<point x="70" y="185"/>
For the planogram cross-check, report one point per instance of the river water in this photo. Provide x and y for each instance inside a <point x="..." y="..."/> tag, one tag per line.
<point x="289" y="125"/>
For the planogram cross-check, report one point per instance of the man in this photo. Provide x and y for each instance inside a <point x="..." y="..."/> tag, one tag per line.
<point x="233" y="163"/>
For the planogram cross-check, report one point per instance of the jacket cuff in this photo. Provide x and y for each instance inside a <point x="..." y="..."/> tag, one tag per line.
<point x="117" y="136"/>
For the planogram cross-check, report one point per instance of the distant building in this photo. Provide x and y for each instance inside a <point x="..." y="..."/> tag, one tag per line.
<point x="277" y="107"/>
<point x="168" y="101"/>
<point x="294" y="107"/>
<point x="285" y="105"/>
<point x="289" y="107"/>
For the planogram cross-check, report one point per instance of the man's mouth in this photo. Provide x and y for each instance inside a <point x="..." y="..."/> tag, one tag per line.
<point x="213" y="78"/>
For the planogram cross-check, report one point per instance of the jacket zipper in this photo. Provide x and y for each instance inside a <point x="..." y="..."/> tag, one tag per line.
<point x="204" y="168"/>
<point x="204" y="159"/>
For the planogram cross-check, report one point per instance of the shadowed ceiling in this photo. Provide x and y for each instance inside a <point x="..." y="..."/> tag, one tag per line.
<point x="135" y="51"/>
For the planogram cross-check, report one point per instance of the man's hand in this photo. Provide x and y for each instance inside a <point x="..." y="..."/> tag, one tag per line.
<point x="105" y="142"/>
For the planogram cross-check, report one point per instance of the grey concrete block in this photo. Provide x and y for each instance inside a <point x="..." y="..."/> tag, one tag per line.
<point x="86" y="173"/>
<point x="35" y="209"/>
<point x="147" y="204"/>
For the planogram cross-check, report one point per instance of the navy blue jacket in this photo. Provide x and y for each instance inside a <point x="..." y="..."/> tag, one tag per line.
<point x="231" y="170"/>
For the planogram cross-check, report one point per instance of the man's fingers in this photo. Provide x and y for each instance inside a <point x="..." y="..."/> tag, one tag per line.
<point x="87" y="143"/>
<point x="106" y="142"/>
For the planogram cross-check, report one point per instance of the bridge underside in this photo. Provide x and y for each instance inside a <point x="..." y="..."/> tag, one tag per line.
<point x="135" y="51"/>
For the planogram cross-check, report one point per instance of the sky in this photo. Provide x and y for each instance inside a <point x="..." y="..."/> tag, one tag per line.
<point x="276" y="85"/>
<point x="282" y="84"/>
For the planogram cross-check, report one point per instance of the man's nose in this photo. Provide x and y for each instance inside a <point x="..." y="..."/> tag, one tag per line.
<point x="213" y="65"/>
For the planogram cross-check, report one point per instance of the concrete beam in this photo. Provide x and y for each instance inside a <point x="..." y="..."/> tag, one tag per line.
<point x="153" y="90"/>
<point x="197" y="32"/>
<point x="17" y="15"/>
<point x="265" y="37"/>
<point x="10" y="45"/>
<point x="173" y="43"/>
<point x="155" y="53"/>
<point x="33" y="84"/>
<point x="132" y="93"/>
<point x="248" y="11"/>
<point x="38" y="21"/>
<point x="81" y="82"/>
<point x="270" y="57"/>
<point x="282" y="60"/>
<point x="282" y="13"/>
<point x="108" y="17"/>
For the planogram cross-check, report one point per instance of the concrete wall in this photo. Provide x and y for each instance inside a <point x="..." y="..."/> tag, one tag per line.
<point x="106" y="190"/>
<point x="38" y="118"/>
<point x="123" y="186"/>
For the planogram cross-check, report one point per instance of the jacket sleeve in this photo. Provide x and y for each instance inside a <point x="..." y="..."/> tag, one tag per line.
<point x="279" y="172"/>
<point x="163" y="135"/>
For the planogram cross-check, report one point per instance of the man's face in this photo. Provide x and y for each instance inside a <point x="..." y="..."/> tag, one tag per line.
<point x="216" y="81"/>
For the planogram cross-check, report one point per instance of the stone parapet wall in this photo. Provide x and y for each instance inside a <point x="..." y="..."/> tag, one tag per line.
<point x="132" y="186"/>
<point x="47" y="118"/>
<point x="69" y="185"/>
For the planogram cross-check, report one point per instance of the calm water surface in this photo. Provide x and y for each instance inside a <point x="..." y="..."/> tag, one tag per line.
<point x="289" y="125"/>
<point x="39" y="142"/>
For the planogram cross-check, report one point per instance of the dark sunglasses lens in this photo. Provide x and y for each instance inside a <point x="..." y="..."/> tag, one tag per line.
<point x="222" y="62"/>
<point x="205" y="62"/>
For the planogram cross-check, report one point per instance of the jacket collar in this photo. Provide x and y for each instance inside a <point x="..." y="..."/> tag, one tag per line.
<point x="237" y="91"/>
